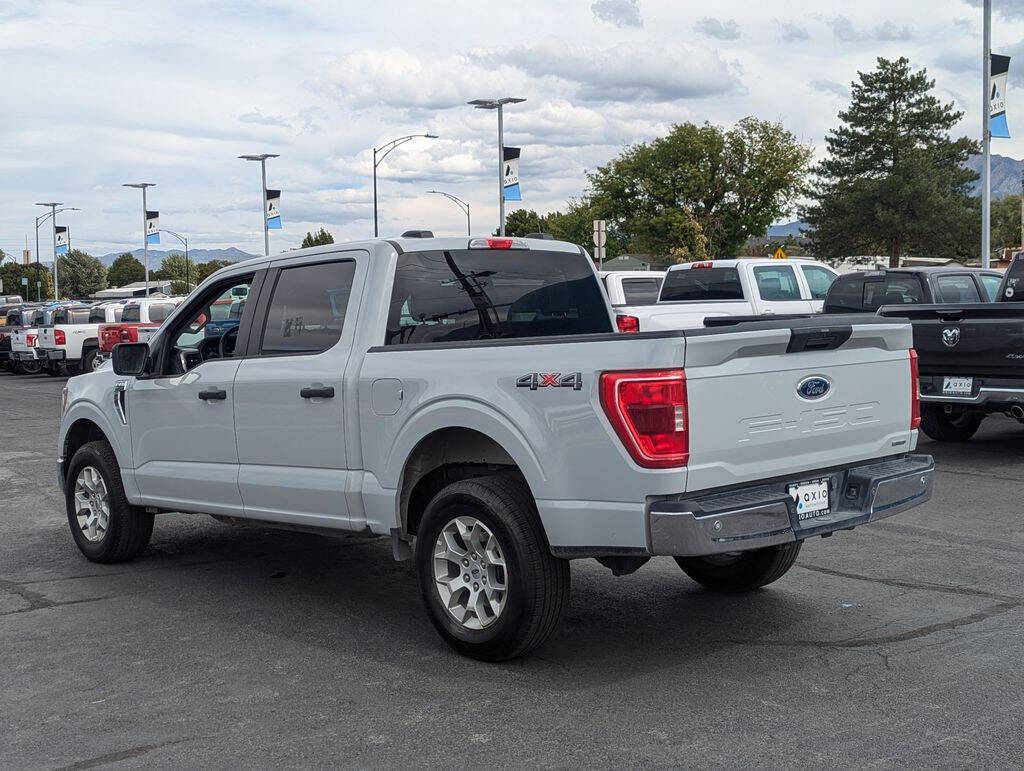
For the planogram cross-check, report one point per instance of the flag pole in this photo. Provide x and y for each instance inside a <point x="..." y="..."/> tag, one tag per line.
<point x="986" y="122"/>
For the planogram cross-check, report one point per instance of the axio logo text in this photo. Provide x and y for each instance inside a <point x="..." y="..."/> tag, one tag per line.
<point x="815" y="387"/>
<point x="810" y="421"/>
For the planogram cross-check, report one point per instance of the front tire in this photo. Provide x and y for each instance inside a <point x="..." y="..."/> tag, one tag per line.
<point x="88" y="363"/>
<point x="949" y="427"/>
<point x="106" y="528"/>
<point x="743" y="571"/>
<point x="488" y="580"/>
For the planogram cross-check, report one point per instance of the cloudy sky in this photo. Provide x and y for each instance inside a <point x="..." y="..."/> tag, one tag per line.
<point x="97" y="93"/>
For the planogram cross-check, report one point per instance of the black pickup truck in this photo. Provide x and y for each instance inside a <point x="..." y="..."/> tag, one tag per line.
<point x="868" y="290"/>
<point x="970" y="359"/>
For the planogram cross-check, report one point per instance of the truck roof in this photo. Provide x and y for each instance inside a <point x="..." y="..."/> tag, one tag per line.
<point x="732" y="262"/>
<point x="405" y="245"/>
<point x="927" y="270"/>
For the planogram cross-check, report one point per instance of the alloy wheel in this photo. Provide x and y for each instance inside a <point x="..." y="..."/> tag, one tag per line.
<point x="92" y="504"/>
<point x="470" y="572"/>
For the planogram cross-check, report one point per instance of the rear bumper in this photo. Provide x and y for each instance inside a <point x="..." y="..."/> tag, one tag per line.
<point x="765" y="515"/>
<point x="23" y="355"/>
<point x="55" y="354"/>
<point x="995" y="394"/>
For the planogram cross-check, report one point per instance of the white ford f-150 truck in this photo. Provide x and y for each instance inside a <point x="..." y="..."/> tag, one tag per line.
<point x="469" y="399"/>
<point x="694" y="291"/>
<point x="73" y="342"/>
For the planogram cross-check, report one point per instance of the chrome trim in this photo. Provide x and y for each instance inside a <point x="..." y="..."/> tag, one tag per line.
<point x="984" y="395"/>
<point x="764" y="515"/>
<point x="120" y="387"/>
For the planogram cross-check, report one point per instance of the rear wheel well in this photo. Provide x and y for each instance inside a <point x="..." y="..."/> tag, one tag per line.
<point x="446" y="456"/>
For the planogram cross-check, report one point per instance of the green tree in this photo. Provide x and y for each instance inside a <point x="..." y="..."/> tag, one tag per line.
<point x="701" y="189"/>
<point x="126" y="269"/>
<point x="1006" y="223"/>
<point x="321" y="238"/>
<point x="204" y="269"/>
<point x="80" y="274"/>
<point x="894" y="181"/>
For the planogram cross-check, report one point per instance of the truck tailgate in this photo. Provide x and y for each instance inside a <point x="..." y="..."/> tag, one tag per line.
<point x="768" y="401"/>
<point x="46" y="338"/>
<point x="976" y="340"/>
<point x="684" y="315"/>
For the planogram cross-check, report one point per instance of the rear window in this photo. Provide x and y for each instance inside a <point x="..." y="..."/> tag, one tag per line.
<point x="483" y="294"/>
<point x="892" y="290"/>
<point x="33" y="318"/>
<point x="98" y="316"/>
<point x="691" y="284"/>
<point x="777" y="284"/>
<point x="71" y="316"/>
<point x="1013" y="288"/>
<point x="958" y="289"/>
<point x="641" y="291"/>
<point x="991" y="283"/>
<point x="160" y="311"/>
<point x="131" y="313"/>
<point x="14" y="319"/>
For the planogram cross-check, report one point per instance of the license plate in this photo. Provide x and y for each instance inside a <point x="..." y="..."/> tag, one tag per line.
<point x="957" y="386"/>
<point x="145" y="334"/>
<point x="811" y="499"/>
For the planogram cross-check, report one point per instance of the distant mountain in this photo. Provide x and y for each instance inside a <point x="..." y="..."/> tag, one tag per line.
<point x="1006" y="175"/>
<point x="785" y="231"/>
<point x="156" y="256"/>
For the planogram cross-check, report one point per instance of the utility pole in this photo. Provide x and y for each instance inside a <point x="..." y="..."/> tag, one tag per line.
<point x="262" y="158"/>
<point x="986" y="113"/>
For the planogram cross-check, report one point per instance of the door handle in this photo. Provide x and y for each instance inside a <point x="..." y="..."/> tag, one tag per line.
<point x="315" y="392"/>
<point x="215" y="394"/>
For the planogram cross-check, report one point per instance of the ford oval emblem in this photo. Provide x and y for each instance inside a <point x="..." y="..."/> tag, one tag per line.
<point x="815" y="387"/>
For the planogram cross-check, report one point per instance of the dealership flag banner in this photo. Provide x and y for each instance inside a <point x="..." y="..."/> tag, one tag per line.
<point x="511" y="183"/>
<point x="274" y="209"/>
<point x="152" y="227"/>
<point x="63" y="240"/>
<point x="1000" y="72"/>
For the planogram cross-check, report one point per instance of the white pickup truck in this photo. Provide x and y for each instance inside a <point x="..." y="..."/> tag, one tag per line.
<point x="25" y="352"/>
<point x="73" y="342"/>
<point x="694" y="291"/>
<point x="629" y="289"/>
<point x="469" y="399"/>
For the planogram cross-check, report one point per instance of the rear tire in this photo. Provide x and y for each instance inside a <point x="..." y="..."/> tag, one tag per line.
<point x="488" y="527"/>
<point x="31" y="367"/>
<point x="741" y="572"/>
<point x="53" y="369"/>
<point x="106" y="528"/>
<point x="946" y="427"/>
<point x="88" y="363"/>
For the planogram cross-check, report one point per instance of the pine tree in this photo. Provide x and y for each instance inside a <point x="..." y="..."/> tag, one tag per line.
<point x="894" y="181"/>
<point x="321" y="238"/>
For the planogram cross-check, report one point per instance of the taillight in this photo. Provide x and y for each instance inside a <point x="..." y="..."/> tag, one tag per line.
<point x="702" y="265"/>
<point x="58" y="337"/>
<point x="130" y="334"/>
<point x="915" y="392"/>
<point x="30" y="340"/>
<point x="628" y="324"/>
<point x="648" y="411"/>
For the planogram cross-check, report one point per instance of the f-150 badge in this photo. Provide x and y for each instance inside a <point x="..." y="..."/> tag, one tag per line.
<point x="536" y="380"/>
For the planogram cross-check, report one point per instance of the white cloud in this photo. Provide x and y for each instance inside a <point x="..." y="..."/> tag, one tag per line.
<point x="791" y="31"/>
<point x="621" y="13"/>
<point x="721" y="30"/>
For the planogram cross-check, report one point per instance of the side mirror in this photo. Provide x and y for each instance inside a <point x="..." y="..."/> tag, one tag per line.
<point x="130" y="358"/>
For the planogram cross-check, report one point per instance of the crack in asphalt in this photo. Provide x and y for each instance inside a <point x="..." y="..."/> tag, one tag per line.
<point x="114" y="757"/>
<point x="37" y="600"/>
<point x="1005" y="604"/>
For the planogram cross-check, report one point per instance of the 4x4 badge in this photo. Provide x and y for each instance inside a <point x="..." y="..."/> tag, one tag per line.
<point x="536" y="380"/>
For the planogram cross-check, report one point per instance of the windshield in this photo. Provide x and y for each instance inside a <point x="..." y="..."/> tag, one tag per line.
<point x="692" y="284"/>
<point x="481" y="294"/>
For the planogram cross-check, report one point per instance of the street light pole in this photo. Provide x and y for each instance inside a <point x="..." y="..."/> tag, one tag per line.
<point x="461" y="204"/>
<point x="262" y="158"/>
<point x="184" y="241"/>
<point x="986" y="132"/>
<point x="145" y="239"/>
<point x="39" y="221"/>
<point x="383" y="151"/>
<point x="498" y="104"/>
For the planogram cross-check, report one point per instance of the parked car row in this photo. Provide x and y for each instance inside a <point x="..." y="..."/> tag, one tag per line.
<point x="71" y="337"/>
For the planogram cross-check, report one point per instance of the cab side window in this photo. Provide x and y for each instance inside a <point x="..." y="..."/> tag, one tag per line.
<point x="776" y="283"/>
<point x="958" y="289"/>
<point x="306" y="314"/>
<point x="819" y="279"/>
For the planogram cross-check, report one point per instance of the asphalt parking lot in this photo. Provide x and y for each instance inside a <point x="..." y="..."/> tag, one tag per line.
<point x="899" y="644"/>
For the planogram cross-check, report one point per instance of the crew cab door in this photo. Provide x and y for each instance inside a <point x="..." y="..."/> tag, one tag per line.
<point x="182" y="415"/>
<point x="290" y="393"/>
<point x="775" y="289"/>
